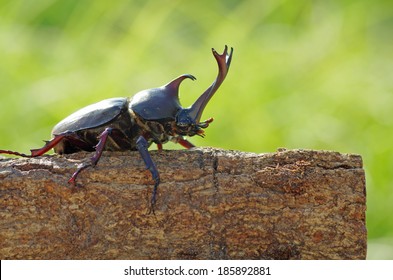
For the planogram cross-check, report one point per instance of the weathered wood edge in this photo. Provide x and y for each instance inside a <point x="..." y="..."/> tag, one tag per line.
<point x="223" y="166"/>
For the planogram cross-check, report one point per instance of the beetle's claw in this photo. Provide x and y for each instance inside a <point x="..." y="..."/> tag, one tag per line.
<point x="151" y="209"/>
<point x="71" y="181"/>
<point x="81" y="167"/>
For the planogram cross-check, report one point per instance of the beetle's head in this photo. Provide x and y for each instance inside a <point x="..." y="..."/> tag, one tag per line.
<point x="186" y="126"/>
<point x="188" y="119"/>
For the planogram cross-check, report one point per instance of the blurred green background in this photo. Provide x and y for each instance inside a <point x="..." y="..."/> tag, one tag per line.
<point x="305" y="74"/>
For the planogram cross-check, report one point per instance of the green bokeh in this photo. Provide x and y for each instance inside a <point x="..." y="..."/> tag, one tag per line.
<point x="305" y="74"/>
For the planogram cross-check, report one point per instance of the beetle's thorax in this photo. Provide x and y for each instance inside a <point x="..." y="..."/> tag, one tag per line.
<point x="157" y="131"/>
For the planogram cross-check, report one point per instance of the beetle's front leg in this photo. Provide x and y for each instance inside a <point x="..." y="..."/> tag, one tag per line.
<point x="142" y="147"/>
<point x="185" y="143"/>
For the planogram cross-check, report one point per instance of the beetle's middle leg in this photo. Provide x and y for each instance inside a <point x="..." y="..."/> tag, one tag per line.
<point x="94" y="159"/>
<point x="142" y="147"/>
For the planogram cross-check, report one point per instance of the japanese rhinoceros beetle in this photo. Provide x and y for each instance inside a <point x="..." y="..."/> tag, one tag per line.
<point x="119" y="124"/>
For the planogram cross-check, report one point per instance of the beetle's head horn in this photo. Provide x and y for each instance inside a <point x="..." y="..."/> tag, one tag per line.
<point x="188" y="119"/>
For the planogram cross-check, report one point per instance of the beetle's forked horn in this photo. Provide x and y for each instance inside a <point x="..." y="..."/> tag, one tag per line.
<point x="223" y="61"/>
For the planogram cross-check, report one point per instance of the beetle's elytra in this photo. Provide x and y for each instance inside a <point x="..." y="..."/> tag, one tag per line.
<point x="123" y="123"/>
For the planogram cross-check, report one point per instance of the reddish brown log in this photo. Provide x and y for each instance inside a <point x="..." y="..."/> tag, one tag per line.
<point x="212" y="204"/>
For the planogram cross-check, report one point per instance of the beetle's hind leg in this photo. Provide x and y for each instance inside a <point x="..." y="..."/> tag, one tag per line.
<point x="39" y="152"/>
<point x="94" y="159"/>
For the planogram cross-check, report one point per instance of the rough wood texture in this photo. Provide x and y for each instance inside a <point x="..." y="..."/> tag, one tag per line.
<point x="212" y="204"/>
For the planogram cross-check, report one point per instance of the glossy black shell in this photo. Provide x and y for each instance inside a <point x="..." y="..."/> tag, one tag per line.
<point x="159" y="104"/>
<point x="155" y="104"/>
<point x="92" y="116"/>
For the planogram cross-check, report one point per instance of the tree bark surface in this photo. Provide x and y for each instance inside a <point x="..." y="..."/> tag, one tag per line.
<point x="211" y="204"/>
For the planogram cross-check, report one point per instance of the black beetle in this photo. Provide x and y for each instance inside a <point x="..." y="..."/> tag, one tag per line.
<point x="119" y="124"/>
